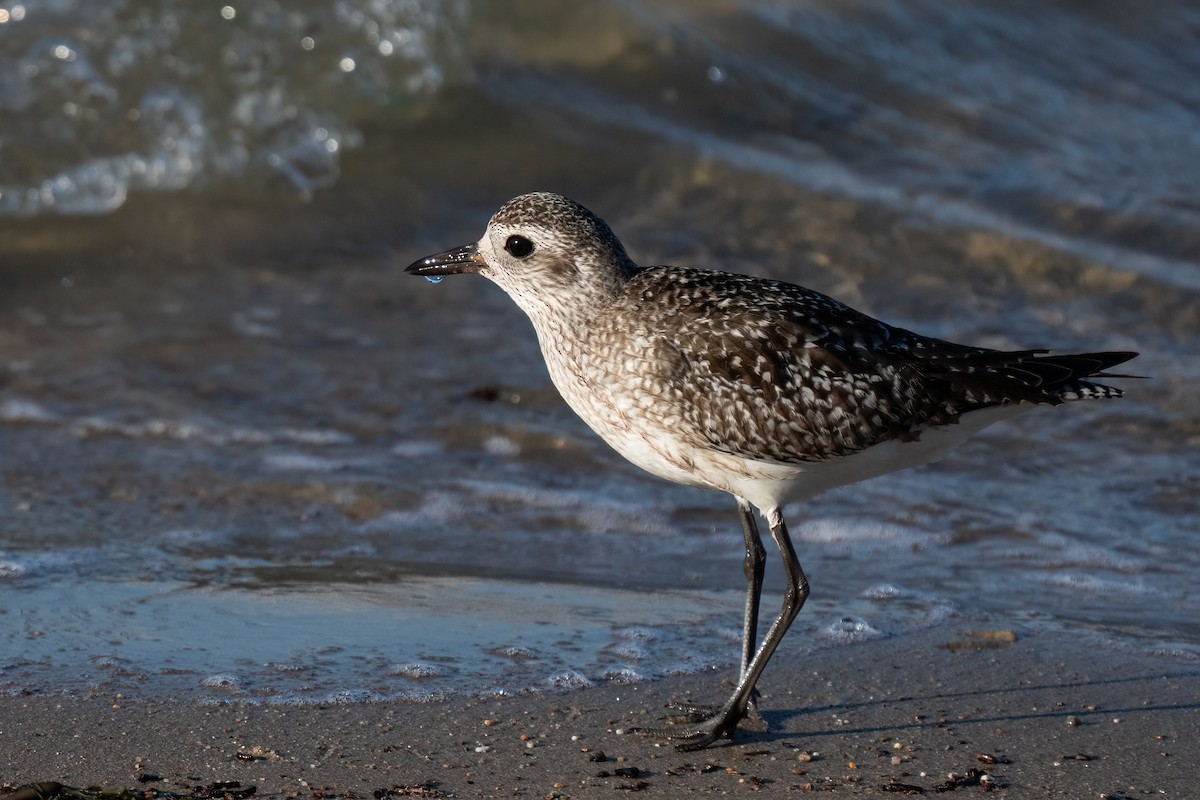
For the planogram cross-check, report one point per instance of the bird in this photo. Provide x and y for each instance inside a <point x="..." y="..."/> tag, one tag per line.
<point x="763" y="389"/>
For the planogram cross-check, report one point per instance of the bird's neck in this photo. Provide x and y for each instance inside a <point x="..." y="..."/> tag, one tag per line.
<point x="558" y="308"/>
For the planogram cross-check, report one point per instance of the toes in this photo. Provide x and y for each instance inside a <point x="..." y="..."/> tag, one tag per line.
<point x="688" y="716"/>
<point x="694" y="737"/>
<point x="698" y="743"/>
<point x="683" y="739"/>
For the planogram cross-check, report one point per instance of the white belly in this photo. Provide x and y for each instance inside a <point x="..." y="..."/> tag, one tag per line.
<point x="771" y="484"/>
<point x="648" y="438"/>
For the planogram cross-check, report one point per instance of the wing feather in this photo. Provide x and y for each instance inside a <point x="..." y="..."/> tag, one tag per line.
<point x="773" y="371"/>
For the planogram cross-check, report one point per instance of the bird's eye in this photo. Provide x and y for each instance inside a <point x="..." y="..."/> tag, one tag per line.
<point x="518" y="246"/>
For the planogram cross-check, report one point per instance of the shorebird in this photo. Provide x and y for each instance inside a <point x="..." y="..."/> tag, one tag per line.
<point x="759" y="388"/>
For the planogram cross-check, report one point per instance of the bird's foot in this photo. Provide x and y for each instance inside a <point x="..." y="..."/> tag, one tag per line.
<point x="695" y="728"/>
<point x="692" y="714"/>
<point x="688" y="714"/>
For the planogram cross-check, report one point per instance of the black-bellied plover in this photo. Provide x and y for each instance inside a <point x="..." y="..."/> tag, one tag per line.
<point x="763" y="389"/>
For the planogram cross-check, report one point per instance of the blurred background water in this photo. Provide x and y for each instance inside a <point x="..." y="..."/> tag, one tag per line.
<point x="242" y="456"/>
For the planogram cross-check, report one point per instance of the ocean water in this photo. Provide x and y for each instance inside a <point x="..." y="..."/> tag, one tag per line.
<point x="244" y="458"/>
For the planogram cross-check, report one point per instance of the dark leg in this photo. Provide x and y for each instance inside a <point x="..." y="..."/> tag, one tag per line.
<point x="725" y="721"/>
<point x="756" y="559"/>
<point x="753" y="566"/>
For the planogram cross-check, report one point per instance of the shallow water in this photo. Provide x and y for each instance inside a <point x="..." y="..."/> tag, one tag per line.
<point x="243" y="457"/>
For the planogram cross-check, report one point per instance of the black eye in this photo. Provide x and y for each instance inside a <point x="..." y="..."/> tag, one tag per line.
<point x="518" y="246"/>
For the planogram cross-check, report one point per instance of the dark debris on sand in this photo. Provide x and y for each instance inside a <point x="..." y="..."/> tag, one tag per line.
<point x="52" y="790"/>
<point x="217" y="790"/>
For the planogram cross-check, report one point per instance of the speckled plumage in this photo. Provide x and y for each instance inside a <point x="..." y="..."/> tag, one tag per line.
<point x="772" y="371"/>
<point x="760" y="388"/>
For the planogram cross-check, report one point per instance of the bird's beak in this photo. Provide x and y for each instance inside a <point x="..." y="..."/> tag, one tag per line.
<point x="451" y="262"/>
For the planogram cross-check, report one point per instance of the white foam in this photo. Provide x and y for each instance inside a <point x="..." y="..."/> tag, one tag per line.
<point x="315" y="436"/>
<point x="222" y="680"/>
<point x="887" y="591"/>
<point x="418" y="448"/>
<point x="419" y="671"/>
<point x="424" y="695"/>
<point x="631" y="650"/>
<point x="35" y="563"/>
<point x="207" y="431"/>
<point x="1112" y="587"/>
<point x="623" y="675"/>
<point x="597" y="512"/>
<point x="513" y="652"/>
<point x="850" y="629"/>
<point x="569" y="679"/>
<point x="501" y="446"/>
<point x="353" y="696"/>
<point x="302" y="462"/>
<point x="256" y="322"/>
<point x="859" y="533"/>
<point x="639" y="634"/>
<point x="18" y="409"/>
<point x="1058" y="551"/>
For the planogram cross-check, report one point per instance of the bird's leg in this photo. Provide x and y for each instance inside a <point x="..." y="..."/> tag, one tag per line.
<point x="725" y="721"/>
<point x="756" y="560"/>
<point x="753" y="566"/>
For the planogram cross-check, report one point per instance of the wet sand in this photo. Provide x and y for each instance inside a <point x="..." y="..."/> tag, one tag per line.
<point x="936" y="711"/>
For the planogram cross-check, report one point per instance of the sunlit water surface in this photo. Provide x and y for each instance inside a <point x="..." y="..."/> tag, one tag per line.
<point x="244" y="458"/>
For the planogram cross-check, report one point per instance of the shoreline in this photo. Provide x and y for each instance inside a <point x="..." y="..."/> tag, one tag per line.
<point x="932" y="711"/>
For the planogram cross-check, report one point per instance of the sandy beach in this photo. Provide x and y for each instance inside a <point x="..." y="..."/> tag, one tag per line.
<point x="943" y="710"/>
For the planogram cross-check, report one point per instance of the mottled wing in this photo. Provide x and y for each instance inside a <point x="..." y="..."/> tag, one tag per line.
<point x="773" y="371"/>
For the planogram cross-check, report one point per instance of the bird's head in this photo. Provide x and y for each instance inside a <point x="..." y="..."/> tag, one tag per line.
<point x="545" y="251"/>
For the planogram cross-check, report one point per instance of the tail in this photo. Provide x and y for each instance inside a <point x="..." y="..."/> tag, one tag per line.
<point x="992" y="377"/>
<point x="1090" y="365"/>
